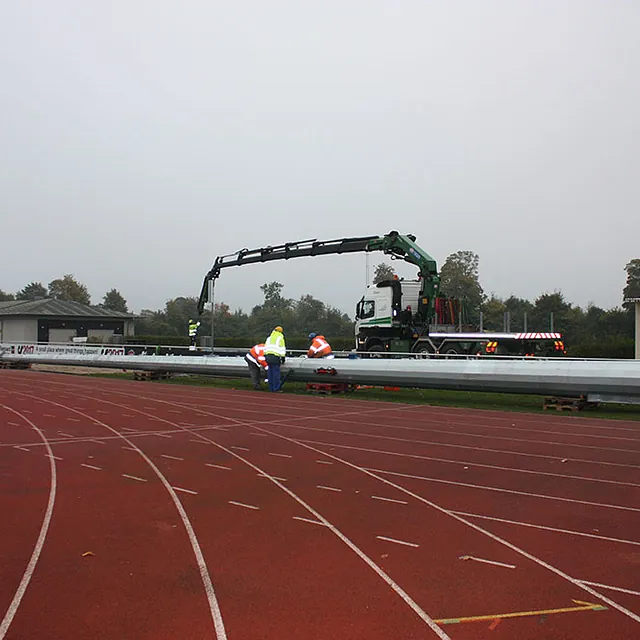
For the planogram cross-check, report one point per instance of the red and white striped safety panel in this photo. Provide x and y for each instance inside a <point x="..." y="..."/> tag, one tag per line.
<point x="538" y="336"/>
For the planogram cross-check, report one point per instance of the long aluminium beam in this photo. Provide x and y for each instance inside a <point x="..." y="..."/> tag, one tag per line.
<point x="604" y="379"/>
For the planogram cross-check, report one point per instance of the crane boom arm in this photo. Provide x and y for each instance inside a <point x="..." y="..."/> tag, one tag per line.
<point x="393" y="244"/>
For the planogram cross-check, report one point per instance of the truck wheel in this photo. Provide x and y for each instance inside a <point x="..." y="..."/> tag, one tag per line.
<point x="376" y="351"/>
<point x="451" y="353"/>
<point x="423" y="352"/>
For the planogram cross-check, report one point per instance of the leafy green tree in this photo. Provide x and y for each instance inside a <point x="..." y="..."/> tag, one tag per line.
<point x="114" y="301"/>
<point x="153" y="323"/>
<point x="68" y="288"/>
<point x="179" y="311"/>
<point x="33" y="291"/>
<point x="382" y="271"/>
<point x="459" y="279"/>
<point x="517" y="307"/>
<point x="6" y="297"/>
<point x="632" y="288"/>
<point x="493" y="311"/>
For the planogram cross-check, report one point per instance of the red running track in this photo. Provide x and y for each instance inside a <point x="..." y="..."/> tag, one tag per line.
<point x="139" y="510"/>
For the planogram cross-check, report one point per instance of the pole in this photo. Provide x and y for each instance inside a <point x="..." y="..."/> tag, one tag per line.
<point x="551" y="322"/>
<point x="481" y="322"/>
<point x="525" y="322"/>
<point x="213" y="308"/>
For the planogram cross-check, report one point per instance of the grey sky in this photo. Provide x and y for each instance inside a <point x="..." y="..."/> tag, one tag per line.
<point x="140" y="139"/>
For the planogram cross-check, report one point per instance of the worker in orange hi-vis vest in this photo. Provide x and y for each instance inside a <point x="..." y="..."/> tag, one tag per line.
<point x="319" y="348"/>
<point x="257" y="364"/>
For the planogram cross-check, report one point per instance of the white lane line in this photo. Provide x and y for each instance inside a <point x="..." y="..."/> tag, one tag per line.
<point x="14" y="424"/>
<point x="468" y="463"/>
<point x="97" y="441"/>
<point x="21" y="448"/>
<point x="544" y="528"/>
<point x="253" y="433"/>
<point x="266" y="475"/>
<point x="483" y="560"/>
<point x="194" y="493"/>
<point x="174" y="411"/>
<point x="172" y="458"/>
<point x="608" y="586"/>
<point x="125" y="475"/>
<point x="161" y="435"/>
<point x="101" y="411"/>
<point x="217" y="466"/>
<point x="238" y="448"/>
<point x="66" y="435"/>
<point x="241" y="504"/>
<point x="26" y="578"/>
<point x="323" y="462"/>
<point x="48" y="415"/>
<point x="130" y="429"/>
<point x="389" y="500"/>
<point x="321" y="486"/>
<point x="407" y="544"/>
<point x="198" y="441"/>
<point x="90" y="466"/>
<point x="322" y="524"/>
<point x="281" y="455"/>
<point x="73" y="419"/>
<point x="52" y="456"/>
<point x="128" y="415"/>
<point x="501" y="490"/>
<point x="130" y="449"/>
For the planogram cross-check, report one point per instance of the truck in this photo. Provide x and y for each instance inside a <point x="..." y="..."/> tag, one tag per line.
<point x="396" y="315"/>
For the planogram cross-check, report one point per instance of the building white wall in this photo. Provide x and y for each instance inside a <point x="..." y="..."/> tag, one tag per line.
<point x="19" y="330"/>
<point x="62" y="335"/>
<point x="129" y="328"/>
<point x="100" y="334"/>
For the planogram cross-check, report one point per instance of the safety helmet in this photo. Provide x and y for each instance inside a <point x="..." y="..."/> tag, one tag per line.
<point x="312" y="336"/>
<point x="279" y="328"/>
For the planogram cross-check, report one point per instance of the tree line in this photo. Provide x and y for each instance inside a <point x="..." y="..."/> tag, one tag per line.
<point x="66" y="288"/>
<point x="590" y="332"/>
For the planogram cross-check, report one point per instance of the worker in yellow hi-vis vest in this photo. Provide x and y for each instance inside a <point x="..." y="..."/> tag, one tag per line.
<point x="274" y="353"/>
<point x="193" y="334"/>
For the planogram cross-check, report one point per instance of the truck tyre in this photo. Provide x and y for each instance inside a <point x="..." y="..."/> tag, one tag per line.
<point x="451" y="352"/>
<point x="375" y="350"/>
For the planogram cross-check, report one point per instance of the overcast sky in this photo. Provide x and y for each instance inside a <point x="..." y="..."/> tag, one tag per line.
<point x="141" y="139"/>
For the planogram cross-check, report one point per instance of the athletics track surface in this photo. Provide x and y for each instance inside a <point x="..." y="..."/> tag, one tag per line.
<point x="146" y="511"/>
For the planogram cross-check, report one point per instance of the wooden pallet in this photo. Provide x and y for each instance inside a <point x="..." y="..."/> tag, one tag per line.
<point x="151" y="375"/>
<point x="567" y="404"/>
<point x="328" y="388"/>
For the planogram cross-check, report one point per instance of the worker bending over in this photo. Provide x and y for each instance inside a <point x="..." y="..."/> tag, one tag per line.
<point x="257" y="363"/>
<point x="274" y="352"/>
<point x="319" y="347"/>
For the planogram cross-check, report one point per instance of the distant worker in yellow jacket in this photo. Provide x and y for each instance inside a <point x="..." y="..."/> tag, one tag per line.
<point x="193" y="334"/>
<point x="274" y="353"/>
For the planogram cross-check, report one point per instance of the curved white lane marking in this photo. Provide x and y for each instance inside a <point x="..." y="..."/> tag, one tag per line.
<point x="363" y="556"/>
<point x="202" y="565"/>
<point x="44" y="528"/>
